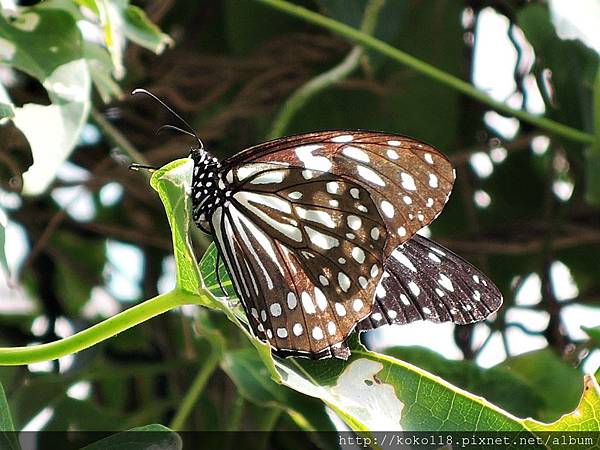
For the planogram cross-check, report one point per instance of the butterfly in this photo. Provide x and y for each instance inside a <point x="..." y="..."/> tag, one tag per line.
<point x="318" y="234"/>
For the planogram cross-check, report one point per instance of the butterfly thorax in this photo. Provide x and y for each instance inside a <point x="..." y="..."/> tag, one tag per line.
<point x="208" y="188"/>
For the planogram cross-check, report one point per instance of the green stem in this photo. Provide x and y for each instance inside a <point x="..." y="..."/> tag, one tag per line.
<point x="267" y="424"/>
<point x="16" y="356"/>
<point x="193" y="393"/>
<point x="307" y="91"/>
<point x="428" y="70"/>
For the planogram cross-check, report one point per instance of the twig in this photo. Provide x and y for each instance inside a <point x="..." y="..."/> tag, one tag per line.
<point x="194" y="392"/>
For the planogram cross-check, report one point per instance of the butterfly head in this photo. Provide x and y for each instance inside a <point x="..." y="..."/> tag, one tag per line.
<point x="208" y="187"/>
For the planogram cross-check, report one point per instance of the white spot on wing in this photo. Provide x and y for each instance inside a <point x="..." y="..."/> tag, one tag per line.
<point x="356" y="153"/>
<point x="408" y="182"/>
<point x="433" y="180"/>
<point x="321" y="240"/>
<point x="310" y="161"/>
<point x="343" y="138"/>
<point x="445" y="282"/>
<point x="270" y="177"/>
<point x="402" y="259"/>
<point x="343" y="281"/>
<point x="370" y="175"/>
<point x="307" y="303"/>
<point x="387" y="208"/>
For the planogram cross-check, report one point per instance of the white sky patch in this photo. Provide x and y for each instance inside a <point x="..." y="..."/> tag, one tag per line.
<point x="534" y="101"/>
<point x="80" y="390"/>
<point x="435" y="336"/>
<point x="16" y="247"/>
<point x="77" y="201"/>
<point x="123" y="270"/>
<point x="101" y="304"/>
<point x="592" y="363"/>
<point x="530" y="292"/>
<point x="498" y="154"/>
<point x="494" y="56"/>
<point x="39" y="420"/>
<point x="577" y="20"/>
<point x="540" y="144"/>
<point x="425" y="232"/>
<point x="493" y="353"/>
<point x="482" y="199"/>
<point x="111" y="193"/>
<point x="533" y="320"/>
<point x="167" y="279"/>
<point x="72" y="173"/>
<point x="520" y="342"/>
<point x="563" y="189"/>
<point x="507" y="127"/>
<point x="563" y="282"/>
<point x="576" y="316"/>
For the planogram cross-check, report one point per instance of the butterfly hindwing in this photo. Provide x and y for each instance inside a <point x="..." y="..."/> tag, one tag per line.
<point x="424" y="281"/>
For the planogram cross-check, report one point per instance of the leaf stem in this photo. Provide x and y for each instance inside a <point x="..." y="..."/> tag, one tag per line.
<point x="16" y="356"/>
<point x="429" y="70"/>
<point x="193" y="393"/>
<point x="307" y="91"/>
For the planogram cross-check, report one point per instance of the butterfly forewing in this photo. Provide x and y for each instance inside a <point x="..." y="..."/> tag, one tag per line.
<point x="424" y="281"/>
<point x="307" y="247"/>
<point x="408" y="181"/>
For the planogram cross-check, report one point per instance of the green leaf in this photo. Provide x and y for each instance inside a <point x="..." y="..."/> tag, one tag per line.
<point x="142" y="31"/>
<point x="497" y="384"/>
<point x="252" y="379"/>
<point x="121" y="20"/>
<point x="6" y="111"/>
<point x="583" y="418"/>
<point x="8" y="439"/>
<point x="46" y="43"/>
<point x="594" y="333"/>
<point x="101" y="69"/>
<point x="141" y="438"/>
<point x="369" y="391"/>
<point x="593" y="153"/>
<point x="558" y="384"/>
<point x="171" y="182"/>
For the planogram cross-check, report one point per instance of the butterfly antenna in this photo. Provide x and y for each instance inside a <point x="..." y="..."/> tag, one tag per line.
<point x="168" y="108"/>
<point x="218" y="276"/>
<point x="173" y="127"/>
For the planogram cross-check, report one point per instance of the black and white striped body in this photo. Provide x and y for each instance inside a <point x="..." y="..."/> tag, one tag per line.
<point x="208" y="188"/>
<point x="315" y="231"/>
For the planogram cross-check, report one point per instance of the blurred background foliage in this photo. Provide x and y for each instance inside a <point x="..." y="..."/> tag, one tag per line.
<point x="85" y="237"/>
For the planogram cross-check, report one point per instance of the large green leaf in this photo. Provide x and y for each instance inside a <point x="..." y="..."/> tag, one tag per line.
<point x="557" y="383"/>
<point x="47" y="44"/>
<point x="369" y="391"/>
<point x="497" y="384"/>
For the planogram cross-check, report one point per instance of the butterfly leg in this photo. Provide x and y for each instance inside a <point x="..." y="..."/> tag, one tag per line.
<point x="218" y="276"/>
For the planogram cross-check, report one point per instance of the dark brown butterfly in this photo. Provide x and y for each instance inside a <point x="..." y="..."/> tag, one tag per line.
<point x="317" y="232"/>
